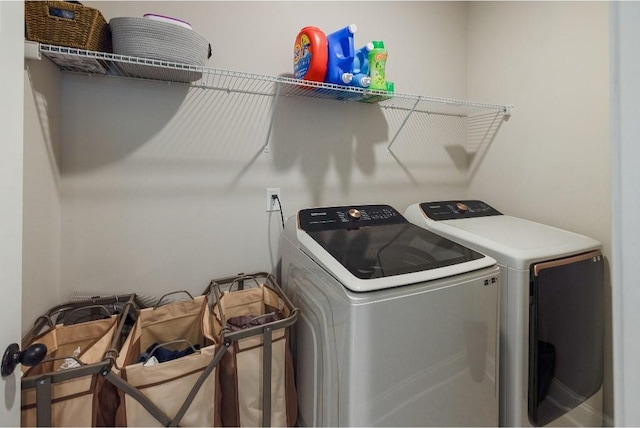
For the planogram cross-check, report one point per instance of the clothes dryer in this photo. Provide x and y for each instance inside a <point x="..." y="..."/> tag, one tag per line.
<point x="398" y="326"/>
<point x="552" y="322"/>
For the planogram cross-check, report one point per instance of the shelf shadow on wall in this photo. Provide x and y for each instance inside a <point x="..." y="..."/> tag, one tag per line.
<point x="457" y="142"/>
<point x="46" y="90"/>
<point x="317" y="135"/>
<point x="124" y="116"/>
<point x="460" y="156"/>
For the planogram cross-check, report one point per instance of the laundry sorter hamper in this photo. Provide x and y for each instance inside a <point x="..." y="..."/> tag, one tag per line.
<point x="252" y="314"/>
<point x="64" y="388"/>
<point x="182" y="387"/>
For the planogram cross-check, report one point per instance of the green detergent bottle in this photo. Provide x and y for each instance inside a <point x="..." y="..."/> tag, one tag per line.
<point x="377" y="63"/>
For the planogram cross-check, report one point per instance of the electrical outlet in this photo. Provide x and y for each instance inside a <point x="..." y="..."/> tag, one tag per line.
<point x="272" y="204"/>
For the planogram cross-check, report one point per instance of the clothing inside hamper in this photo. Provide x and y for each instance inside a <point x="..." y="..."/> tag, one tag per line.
<point x="163" y="354"/>
<point x="245" y="321"/>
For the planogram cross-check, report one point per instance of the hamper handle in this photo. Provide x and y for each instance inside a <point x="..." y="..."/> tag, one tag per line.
<point x="46" y="319"/>
<point x="69" y="357"/>
<point x="169" y="294"/>
<point x="240" y="281"/>
<point x="103" y="307"/>
<point x="50" y="316"/>
<point x="214" y="288"/>
<point x="270" y="283"/>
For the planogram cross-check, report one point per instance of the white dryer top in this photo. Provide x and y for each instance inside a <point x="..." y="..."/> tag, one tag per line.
<point x="512" y="241"/>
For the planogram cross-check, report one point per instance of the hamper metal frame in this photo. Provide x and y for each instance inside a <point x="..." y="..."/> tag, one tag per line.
<point x="265" y="330"/>
<point x="43" y="383"/>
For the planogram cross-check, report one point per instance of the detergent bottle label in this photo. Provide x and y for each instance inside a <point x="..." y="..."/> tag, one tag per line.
<point x="377" y="64"/>
<point x="301" y="56"/>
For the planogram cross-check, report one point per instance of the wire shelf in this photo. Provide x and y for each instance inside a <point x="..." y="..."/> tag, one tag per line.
<point x="83" y="61"/>
<point x="482" y="121"/>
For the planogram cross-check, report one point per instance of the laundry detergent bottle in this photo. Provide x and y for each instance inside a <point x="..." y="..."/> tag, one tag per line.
<point x="361" y="77"/>
<point x="310" y="55"/>
<point x="377" y="64"/>
<point x="341" y="52"/>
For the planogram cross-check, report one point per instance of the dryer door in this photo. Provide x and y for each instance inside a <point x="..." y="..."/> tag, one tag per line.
<point x="566" y="331"/>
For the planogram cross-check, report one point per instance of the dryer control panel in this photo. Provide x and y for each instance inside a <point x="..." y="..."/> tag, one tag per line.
<point x="452" y="210"/>
<point x="347" y="217"/>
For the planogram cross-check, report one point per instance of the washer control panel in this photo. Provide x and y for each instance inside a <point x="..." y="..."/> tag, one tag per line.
<point x="347" y="217"/>
<point x="452" y="210"/>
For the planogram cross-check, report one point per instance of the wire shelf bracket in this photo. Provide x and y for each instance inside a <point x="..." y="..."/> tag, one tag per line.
<point x="274" y="108"/>
<point x="404" y="122"/>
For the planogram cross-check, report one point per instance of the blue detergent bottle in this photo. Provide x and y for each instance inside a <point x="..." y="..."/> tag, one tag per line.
<point x="360" y="70"/>
<point x="341" y="55"/>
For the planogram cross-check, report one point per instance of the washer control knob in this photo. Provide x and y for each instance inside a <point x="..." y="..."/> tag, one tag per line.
<point x="461" y="208"/>
<point x="354" y="214"/>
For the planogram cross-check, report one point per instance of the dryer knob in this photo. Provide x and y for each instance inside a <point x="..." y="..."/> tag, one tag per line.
<point x="354" y="214"/>
<point x="461" y="208"/>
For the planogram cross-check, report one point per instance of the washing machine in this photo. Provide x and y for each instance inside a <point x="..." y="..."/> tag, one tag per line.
<point x="552" y="321"/>
<point x="398" y="326"/>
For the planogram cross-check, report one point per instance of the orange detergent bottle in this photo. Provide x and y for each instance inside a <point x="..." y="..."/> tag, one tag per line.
<point x="310" y="55"/>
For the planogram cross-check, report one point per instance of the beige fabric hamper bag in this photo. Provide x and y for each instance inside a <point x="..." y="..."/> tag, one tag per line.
<point x="242" y="375"/>
<point x="170" y="386"/>
<point x="74" y="402"/>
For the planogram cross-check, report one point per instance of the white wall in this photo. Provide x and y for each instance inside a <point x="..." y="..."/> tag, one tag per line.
<point x="625" y="92"/>
<point x="164" y="188"/>
<point x="42" y="189"/>
<point x="551" y="162"/>
<point x="11" y="18"/>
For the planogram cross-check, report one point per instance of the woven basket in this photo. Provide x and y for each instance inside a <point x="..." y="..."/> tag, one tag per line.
<point x="147" y="38"/>
<point x="66" y="24"/>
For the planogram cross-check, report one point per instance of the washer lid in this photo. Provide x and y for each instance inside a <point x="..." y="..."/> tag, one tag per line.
<point x="374" y="247"/>
<point x="512" y="241"/>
